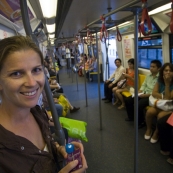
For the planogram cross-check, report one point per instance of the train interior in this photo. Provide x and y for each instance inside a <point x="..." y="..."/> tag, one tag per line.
<point x="111" y="140"/>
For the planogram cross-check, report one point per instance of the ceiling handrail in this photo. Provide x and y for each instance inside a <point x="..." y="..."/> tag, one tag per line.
<point x="171" y="22"/>
<point x="103" y="31"/>
<point x="145" y="19"/>
<point x="113" y="12"/>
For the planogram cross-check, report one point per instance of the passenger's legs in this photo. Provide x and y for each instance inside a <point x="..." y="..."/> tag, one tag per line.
<point x="59" y="109"/>
<point x="129" y="103"/>
<point x="142" y="104"/>
<point x="150" y="114"/>
<point x="109" y="93"/>
<point x="164" y="134"/>
<point x="106" y="89"/>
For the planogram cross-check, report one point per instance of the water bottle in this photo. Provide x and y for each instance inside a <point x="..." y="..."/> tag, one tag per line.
<point x="73" y="154"/>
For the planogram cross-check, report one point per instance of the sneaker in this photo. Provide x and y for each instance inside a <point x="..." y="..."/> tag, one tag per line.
<point x="74" y="109"/>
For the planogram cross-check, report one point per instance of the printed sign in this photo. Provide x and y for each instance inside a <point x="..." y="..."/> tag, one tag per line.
<point x="127" y="48"/>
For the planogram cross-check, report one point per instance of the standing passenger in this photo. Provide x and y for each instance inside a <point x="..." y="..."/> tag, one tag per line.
<point x="112" y="81"/>
<point x="25" y="138"/>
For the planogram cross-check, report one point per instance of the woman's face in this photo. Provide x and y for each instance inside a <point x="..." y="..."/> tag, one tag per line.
<point x="167" y="72"/>
<point x="22" y="79"/>
<point x="131" y="66"/>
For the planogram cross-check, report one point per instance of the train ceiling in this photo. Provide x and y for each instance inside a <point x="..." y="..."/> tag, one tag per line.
<point x="74" y="15"/>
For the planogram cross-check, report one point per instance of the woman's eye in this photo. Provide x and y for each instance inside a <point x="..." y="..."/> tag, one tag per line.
<point x="38" y="69"/>
<point x="15" y="74"/>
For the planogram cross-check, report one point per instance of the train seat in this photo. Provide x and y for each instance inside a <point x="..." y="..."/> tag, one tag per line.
<point x="96" y="73"/>
<point x="141" y="79"/>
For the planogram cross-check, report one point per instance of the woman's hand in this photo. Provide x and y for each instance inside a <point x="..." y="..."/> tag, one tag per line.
<point x="167" y="79"/>
<point x="74" y="163"/>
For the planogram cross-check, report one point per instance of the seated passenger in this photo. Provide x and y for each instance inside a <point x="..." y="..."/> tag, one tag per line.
<point x="146" y="90"/>
<point x="92" y="68"/>
<point x="163" y="89"/>
<point x="166" y="137"/>
<point x="129" y="75"/>
<point x="25" y="138"/>
<point x="112" y="81"/>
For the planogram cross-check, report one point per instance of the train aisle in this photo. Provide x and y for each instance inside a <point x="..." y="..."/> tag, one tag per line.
<point x="112" y="149"/>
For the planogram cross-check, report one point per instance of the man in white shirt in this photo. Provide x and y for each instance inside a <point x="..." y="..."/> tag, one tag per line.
<point x="112" y="81"/>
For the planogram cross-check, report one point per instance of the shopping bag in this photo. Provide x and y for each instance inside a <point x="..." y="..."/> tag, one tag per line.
<point x="64" y="103"/>
<point x="121" y="83"/>
<point x="170" y="120"/>
<point x="165" y="105"/>
<point x="76" y="129"/>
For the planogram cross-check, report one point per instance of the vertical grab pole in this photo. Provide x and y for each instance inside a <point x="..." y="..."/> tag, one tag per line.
<point x="60" y="137"/>
<point x="86" y="97"/>
<point x="136" y="11"/>
<point x="75" y="57"/>
<point x="98" y="76"/>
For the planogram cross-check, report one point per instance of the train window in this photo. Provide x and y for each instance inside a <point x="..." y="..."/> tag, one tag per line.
<point x="149" y="48"/>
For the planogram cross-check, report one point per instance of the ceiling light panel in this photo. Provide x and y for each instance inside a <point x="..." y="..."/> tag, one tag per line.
<point x="50" y="28"/>
<point x="160" y="9"/>
<point x="49" y="8"/>
<point x="51" y="35"/>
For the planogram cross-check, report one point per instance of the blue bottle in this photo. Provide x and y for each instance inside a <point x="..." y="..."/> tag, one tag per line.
<point x="73" y="154"/>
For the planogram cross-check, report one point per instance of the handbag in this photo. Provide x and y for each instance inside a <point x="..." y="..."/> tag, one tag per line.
<point x="121" y="83"/>
<point x="170" y="120"/>
<point x="165" y="105"/>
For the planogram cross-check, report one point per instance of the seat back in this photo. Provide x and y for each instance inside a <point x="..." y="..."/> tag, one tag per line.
<point x="141" y="78"/>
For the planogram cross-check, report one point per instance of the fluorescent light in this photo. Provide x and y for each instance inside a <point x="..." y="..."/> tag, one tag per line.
<point x="50" y="28"/>
<point x="49" y="8"/>
<point x="160" y="9"/>
<point x="120" y="25"/>
<point x="51" y="35"/>
<point x="124" y="23"/>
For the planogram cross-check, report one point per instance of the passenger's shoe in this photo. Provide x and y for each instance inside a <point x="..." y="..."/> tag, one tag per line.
<point x="128" y="119"/>
<point x="165" y="153"/>
<point x="169" y="160"/>
<point x="104" y="98"/>
<point x="121" y="107"/>
<point x="108" y="101"/>
<point x="74" y="109"/>
<point x="146" y="137"/>
<point x="153" y="141"/>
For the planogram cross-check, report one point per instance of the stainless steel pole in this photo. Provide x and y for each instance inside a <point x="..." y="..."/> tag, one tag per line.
<point x="136" y="90"/>
<point x="98" y="76"/>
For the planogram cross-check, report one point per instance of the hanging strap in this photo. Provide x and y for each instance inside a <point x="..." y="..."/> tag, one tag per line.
<point x="145" y="19"/>
<point x="103" y="31"/>
<point x="171" y="22"/>
<point x="139" y="30"/>
<point x="89" y="37"/>
<point x="119" y="37"/>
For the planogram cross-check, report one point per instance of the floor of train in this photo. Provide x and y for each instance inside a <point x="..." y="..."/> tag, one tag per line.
<point x="110" y="150"/>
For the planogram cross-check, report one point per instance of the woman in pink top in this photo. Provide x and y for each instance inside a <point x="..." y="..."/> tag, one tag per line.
<point x="129" y="75"/>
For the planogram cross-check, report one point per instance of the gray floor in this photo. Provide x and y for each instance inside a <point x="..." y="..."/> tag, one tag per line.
<point x="110" y="150"/>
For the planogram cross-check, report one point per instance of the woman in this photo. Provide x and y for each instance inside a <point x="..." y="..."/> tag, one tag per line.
<point x="166" y="137"/>
<point x="163" y="89"/>
<point x="25" y="139"/>
<point x="129" y="83"/>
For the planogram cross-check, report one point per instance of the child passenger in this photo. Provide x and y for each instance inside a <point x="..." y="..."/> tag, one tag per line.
<point x="26" y="144"/>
